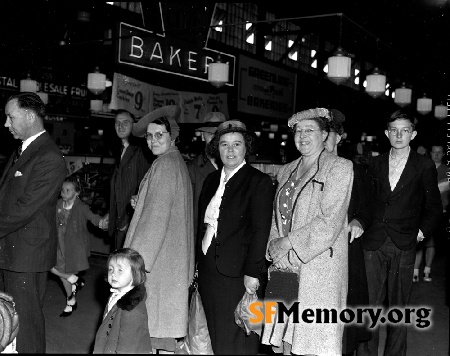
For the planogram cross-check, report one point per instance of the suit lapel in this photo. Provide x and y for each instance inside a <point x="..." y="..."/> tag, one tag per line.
<point x="214" y="186"/>
<point x="408" y="173"/>
<point x="30" y="150"/>
<point x="239" y="175"/>
<point x="11" y="168"/>
<point x="384" y="174"/>
<point x="7" y="170"/>
<point x="127" y="155"/>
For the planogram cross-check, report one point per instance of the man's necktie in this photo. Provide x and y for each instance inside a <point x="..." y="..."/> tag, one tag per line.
<point x="18" y="153"/>
<point x="119" y="159"/>
<point x="122" y="149"/>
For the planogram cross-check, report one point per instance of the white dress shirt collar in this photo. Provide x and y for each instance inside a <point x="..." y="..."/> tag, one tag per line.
<point x="28" y="141"/>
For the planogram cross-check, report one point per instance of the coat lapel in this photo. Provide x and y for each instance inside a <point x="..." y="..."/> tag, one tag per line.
<point x="107" y="315"/>
<point x="8" y="169"/>
<point x="129" y="152"/>
<point x="214" y="186"/>
<point x="408" y="173"/>
<point x="11" y="169"/>
<point x="384" y="174"/>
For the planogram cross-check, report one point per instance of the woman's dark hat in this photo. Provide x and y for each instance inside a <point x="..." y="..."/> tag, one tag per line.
<point x="171" y="112"/>
<point x="231" y="126"/>
<point x="337" y="117"/>
<point x="337" y="121"/>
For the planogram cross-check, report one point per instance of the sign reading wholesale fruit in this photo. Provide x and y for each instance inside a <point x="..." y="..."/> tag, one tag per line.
<point x="140" y="98"/>
<point x="144" y="49"/>
<point x="265" y="90"/>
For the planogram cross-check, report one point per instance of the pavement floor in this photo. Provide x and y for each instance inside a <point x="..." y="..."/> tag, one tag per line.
<point x="76" y="334"/>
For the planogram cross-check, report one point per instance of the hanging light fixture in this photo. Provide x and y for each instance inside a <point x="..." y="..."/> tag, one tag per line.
<point x="218" y="73"/>
<point x="424" y="105"/>
<point x="43" y="96"/>
<point x="28" y="85"/>
<point x="403" y="96"/>
<point x="339" y="65"/>
<point x="96" y="105"/>
<point x="96" y="82"/>
<point x="376" y="84"/>
<point x="440" y="111"/>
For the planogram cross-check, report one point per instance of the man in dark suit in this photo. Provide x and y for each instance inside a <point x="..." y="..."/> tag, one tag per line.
<point x="407" y="208"/>
<point x="29" y="189"/>
<point x="204" y="164"/>
<point x="132" y="164"/>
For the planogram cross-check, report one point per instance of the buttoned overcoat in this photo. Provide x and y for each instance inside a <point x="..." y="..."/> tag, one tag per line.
<point x="161" y="230"/>
<point x="124" y="328"/>
<point x="320" y="251"/>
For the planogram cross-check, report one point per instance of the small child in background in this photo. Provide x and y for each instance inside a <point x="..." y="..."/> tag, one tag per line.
<point x="124" y="328"/>
<point x="73" y="248"/>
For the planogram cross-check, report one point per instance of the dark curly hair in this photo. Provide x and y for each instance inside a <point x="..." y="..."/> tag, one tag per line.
<point x="212" y="148"/>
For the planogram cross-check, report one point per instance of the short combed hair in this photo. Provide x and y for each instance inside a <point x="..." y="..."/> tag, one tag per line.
<point x="135" y="260"/>
<point x="30" y="101"/>
<point x="212" y="149"/>
<point x="74" y="181"/>
<point x="402" y="114"/>
<point x="126" y="112"/>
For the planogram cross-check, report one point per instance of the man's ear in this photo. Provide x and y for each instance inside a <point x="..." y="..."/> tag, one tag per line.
<point x="338" y="138"/>
<point x="31" y="116"/>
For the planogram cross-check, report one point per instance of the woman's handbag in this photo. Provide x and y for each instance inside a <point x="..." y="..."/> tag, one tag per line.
<point x="282" y="286"/>
<point x="197" y="340"/>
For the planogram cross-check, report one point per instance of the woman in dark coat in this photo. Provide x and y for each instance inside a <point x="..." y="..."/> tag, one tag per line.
<point x="359" y="217"/>
<point x="236" y="208"/>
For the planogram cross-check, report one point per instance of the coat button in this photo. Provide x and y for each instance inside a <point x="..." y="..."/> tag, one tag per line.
<point x="110" y="326"/>
<point x="107" y="333"/>
<point x="217" y="256"/>
<point x="217" y="243"/>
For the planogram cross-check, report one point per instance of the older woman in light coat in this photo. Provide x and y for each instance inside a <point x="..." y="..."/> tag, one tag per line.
<point x="162" y="229"/>
<point x="309" y="236"/>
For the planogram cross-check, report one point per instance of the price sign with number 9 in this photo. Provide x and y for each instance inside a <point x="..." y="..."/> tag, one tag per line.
<point x="138" y="100"/>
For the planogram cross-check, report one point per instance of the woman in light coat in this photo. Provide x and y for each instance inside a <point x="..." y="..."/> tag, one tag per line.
<point x="309" y="237"/>
<point x="162" y="229"/>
